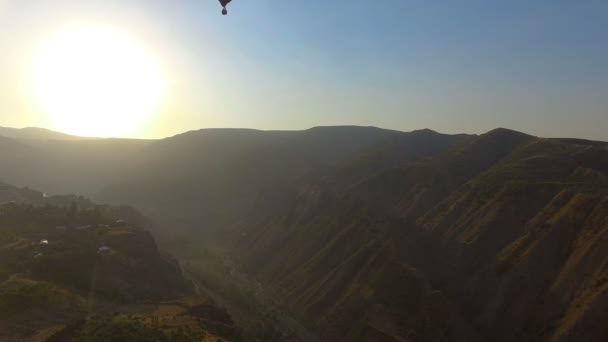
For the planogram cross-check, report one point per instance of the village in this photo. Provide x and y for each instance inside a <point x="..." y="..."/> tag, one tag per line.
<point x="62" y="231"/>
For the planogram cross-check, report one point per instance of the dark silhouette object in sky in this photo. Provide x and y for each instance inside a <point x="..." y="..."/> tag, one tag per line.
<point x="224" y="3"/>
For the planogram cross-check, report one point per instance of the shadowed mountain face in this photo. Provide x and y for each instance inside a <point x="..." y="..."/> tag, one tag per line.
<point x="499" y="238"/>
<point x="218" y="176"/>
<point x="209" y="176"/>
<point x="370" y="234"/>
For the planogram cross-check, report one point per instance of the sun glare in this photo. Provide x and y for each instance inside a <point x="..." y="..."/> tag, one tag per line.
<point x="95" y="81"/>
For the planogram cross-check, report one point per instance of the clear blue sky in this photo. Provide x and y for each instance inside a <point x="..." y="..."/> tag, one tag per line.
<point x="453" y="66"/>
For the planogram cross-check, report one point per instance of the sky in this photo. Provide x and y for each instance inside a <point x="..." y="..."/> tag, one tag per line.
<point x="453" y="66"/>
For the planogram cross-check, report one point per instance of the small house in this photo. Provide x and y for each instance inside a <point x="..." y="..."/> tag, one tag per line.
<point x="105" y="250"/>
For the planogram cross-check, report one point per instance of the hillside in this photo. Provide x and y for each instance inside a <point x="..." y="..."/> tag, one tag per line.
<point x="231" y="166"/>
<point x="204" y="175"/>
<point x="213" y="177"/>
<point x="496" y="239"/>
<point x="72" y="273"/>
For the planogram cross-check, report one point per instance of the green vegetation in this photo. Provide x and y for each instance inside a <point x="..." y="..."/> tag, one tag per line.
<point x="257" y="318"/>
<point x="6" y="237"/>
<point x="103" y="329"/>
<point x="213" y="274"/>
<point x="21" y="295"/>
<point x="59" y="281"/>
<point x="70" y="262"/>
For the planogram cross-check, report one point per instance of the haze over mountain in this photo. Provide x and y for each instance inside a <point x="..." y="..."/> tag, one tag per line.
<point x="35" y="133"/>
<point x="394" y="171"/>
<point x="360" y="233"/>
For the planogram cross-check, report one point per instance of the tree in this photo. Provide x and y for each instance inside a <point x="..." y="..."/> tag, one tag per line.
<point x="73" y="209"/>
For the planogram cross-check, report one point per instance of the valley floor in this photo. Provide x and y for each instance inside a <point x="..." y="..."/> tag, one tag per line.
<point x="255" y="312"/>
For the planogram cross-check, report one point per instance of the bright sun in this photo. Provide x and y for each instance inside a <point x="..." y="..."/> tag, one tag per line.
<point x="94" y="81"/>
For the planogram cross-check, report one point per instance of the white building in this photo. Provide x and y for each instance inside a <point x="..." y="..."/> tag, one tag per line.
<point x="105" y="250"/>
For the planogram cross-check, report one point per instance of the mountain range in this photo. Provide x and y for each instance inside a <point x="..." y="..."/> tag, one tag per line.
<point x="370" y="234"/>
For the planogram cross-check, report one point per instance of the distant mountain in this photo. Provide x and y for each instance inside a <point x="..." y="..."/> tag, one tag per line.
<point x="35" y="133"/>
<point x="215" y="176"/>
<point x="199" y="158"/>
<point x="65" y="166"/>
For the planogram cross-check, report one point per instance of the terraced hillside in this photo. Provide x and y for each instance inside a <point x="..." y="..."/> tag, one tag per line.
<point x="70" y="273"/>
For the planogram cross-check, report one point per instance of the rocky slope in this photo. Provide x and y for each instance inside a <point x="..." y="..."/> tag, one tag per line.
<point x="499" y="238"/>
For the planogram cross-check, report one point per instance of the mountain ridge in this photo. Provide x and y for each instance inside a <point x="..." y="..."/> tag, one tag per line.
<point x="37" y="133"/>
<point x="448" y="217"/>
<point x="361" y="231"/>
